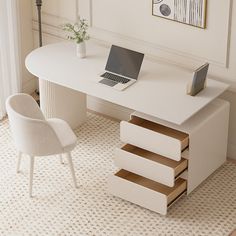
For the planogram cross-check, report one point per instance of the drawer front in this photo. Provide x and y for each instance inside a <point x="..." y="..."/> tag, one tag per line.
<point x="144" y="192"/>
<point x="140" y="136"/>
<point x="149" y="165"/>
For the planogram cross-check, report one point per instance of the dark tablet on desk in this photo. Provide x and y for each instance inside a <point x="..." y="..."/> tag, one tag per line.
<point x="199" y="79"/>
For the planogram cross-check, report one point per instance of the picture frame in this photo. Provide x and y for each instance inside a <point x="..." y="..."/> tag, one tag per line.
<point x="190" y="12"/>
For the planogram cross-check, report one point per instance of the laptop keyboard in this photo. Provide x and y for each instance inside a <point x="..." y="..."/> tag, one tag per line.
<point x="115" y="78"/>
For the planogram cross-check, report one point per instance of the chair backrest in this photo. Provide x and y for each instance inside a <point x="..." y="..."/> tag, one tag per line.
<point x="31" y="132"/>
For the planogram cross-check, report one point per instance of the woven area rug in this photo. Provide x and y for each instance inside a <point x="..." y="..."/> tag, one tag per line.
<point x="59" y="209"/>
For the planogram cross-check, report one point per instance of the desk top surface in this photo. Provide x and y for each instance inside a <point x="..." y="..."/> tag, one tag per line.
<point x="160" y="90"/>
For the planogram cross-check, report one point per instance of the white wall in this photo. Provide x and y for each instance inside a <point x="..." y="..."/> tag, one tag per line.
<point x="130" y="23"/>
<point x="27" y="45"/>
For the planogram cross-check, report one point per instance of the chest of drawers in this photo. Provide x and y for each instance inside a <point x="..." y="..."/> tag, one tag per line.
<point x="160" y="161"/>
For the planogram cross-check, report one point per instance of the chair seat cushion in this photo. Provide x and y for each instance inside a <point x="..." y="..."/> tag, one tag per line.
<point x="64" y="133"/>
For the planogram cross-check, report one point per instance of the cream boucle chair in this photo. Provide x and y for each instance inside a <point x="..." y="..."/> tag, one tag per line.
<point x="36" y="136"/>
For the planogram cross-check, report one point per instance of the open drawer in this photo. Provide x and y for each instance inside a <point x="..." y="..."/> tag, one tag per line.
<point x="148" y="164"/>
<point x="145" y="192"/>
<point x="154" y="137"/>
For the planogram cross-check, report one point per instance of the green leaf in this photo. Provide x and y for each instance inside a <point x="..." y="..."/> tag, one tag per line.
<point x="78" y="30"/>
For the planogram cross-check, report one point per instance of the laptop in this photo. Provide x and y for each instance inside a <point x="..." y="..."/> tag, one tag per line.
<point x="122" y="68"/>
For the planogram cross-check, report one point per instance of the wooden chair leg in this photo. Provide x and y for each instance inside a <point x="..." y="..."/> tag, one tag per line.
<point x="71" y="168"/>
<point x="31" y="175"/>
<point x="18" y="162"/>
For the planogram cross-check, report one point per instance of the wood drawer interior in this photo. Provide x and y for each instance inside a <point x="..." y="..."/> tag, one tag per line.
<point x="176" y="134"/>
<point x="171" y="193"/>
<point x="177" y="166"/>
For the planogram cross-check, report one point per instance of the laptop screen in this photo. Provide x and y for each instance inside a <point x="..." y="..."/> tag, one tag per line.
<point x="124" y="62"/>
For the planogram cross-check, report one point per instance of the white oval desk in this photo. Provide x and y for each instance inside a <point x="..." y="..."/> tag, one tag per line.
<point x="159" y="98"/>
<point x="159" y="92"/>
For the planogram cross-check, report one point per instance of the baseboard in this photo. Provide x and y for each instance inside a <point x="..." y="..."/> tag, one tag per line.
<point x="231" y="151"/>
<point x="107" y="108"/>
<point x="29" y="86"/>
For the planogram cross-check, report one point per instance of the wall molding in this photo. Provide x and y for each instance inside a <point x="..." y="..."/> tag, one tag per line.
<point x="107" y="36"/>
<point x="49" y="29"/>
<point x="166" y="54"/>
<point x="229" y="32"/>
<point x="169" y="55"/>
<point x="29" y="86"/>
<point x="109" y="109"/>
<point x="187" y="59"/>
<point x="231" y="151"/>
<point x="51" y="23"/>
<point x="52" y="30"/>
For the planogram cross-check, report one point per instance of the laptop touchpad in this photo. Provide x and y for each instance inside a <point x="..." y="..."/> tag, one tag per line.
<point x="108" y="82"/>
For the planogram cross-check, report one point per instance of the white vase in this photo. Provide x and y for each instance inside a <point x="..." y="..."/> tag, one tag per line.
<point x="81" y="50"/>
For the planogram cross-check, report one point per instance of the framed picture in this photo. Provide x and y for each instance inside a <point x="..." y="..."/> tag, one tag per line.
<point x="191" y="12"/>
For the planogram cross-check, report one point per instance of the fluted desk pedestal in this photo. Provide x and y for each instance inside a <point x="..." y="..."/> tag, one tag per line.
<point x="54" y="104"/>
